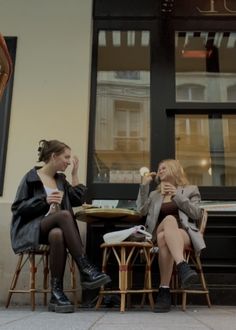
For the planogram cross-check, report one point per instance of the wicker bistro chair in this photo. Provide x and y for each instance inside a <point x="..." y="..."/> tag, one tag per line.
<point x="195" y="260"/>
<point x="35" y="260"/>
<point x="126" y="254"/>
<point x="190" y="256"/>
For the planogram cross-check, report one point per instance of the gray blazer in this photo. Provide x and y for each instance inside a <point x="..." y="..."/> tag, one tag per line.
<point x="187" y="199"/>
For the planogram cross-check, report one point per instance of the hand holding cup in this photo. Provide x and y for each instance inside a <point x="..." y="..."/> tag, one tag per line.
<point x="167" y="188"/>
<point x="55" y="197"/>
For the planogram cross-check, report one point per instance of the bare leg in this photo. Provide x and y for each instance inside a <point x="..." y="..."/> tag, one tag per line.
<point x="165" y="261"/>
<point x="171" y="242"/>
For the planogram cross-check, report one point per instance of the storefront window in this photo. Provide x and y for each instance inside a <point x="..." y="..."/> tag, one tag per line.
<point x="122" y="120"/>
<point x="205" y="66"/>
<point x="206" y="146"/>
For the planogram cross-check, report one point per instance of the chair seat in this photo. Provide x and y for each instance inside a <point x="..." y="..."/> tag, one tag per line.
<point x="128" y="244"/>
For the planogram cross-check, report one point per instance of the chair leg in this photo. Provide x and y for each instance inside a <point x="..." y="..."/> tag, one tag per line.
<point x="203" y="281"/>
<point x="33" y="270"/>
<point x="148" y="283"/>
<point x="73" y="278"/>
<point x="175" y="286"/>
<point x="144" y="294"/>
<point x="123" y="278"/>
<point x="184" y="299"/>
<point x="105" y="257"/>
<point x="15" y="279"/>
<point x="45" y="277"/>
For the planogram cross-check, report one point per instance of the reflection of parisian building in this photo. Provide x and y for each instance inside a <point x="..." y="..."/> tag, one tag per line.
<point x="122" y="122"/>
<point x="202" y="87"/>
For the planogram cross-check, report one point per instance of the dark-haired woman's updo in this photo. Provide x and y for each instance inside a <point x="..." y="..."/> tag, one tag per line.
<point x="47" y="148"/>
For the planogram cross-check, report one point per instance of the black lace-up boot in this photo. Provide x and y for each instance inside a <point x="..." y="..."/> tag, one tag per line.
<point x="163" y="302"/>
<point x="187" y="275"/>
<point x="91" y="277"/>
<point x="59" y="302"/>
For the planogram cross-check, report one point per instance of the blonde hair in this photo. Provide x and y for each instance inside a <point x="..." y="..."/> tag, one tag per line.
<point x="175" y="169"/>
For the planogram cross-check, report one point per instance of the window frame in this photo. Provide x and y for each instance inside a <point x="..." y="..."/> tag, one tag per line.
<point x="5" y="112"/>
<point x="162" y="48"/>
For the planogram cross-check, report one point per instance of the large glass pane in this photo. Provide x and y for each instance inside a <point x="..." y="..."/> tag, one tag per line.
<point x="206" y="147"/>
<point x="229" y="133"/>
<point x="122" y="131"/>
<point x="205" y="66"/>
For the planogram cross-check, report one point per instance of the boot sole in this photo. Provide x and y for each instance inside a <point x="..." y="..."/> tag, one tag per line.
<point x="190" y="280"/>
<point x="96" y="284"/>
<point x="61" y="309"/>
<point x="161" y="310"/>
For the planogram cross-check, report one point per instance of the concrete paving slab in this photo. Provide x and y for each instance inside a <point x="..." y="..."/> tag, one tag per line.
<point x="195" y="318"/>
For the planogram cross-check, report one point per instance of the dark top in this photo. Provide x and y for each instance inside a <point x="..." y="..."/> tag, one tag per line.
<point x="169" y="208"/>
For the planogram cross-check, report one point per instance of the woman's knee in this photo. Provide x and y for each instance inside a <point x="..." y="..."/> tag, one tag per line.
<point x="64" y="216"/>
<point x="161" y="242"/>
<point x="55" y="235"/>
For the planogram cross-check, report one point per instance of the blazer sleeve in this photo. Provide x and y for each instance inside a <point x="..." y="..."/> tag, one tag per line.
<point x="143" y="200"/>
<point x="188" y="201"/>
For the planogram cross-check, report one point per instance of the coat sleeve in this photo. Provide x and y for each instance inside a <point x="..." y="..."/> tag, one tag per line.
<point x="76" y="194"/>
<point x="189" y="203"/>
<point x="28" y="205"/>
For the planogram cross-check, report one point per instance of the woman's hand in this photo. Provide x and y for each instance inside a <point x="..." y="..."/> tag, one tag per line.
<point x="55" y="197"/>
<point x="74" y="171"/>
<point x="168" y="189"/>
<point x="148" y="177"/>
<point x="75" y="165"/>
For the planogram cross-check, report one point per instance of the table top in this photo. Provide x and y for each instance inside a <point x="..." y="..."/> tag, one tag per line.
<point x="94" y="214"/>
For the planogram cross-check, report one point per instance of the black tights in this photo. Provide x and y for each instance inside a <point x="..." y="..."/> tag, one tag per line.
<point x="61" y="232"/>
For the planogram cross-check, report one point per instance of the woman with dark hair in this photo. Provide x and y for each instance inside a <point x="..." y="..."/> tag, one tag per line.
<point x="172" y="212"/>
<point x="42" y="214"/>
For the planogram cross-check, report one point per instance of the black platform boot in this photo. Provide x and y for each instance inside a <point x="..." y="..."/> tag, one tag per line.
<point x="187" y="275"/>
<point x="163" y="303"/>
<point x="91" y="277"/>
<point x="59" y="302"/>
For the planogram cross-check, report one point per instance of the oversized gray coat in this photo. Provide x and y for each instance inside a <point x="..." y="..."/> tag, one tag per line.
<point x="187" y="199"/>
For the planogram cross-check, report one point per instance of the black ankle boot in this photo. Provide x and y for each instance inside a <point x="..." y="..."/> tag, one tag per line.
<point x="187" y="275"/>
<point x="59" y="302"/>
<point x="163" y="302"/>
<point x="91" y="277"/>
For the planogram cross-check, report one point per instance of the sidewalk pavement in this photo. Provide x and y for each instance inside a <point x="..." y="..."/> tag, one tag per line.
<point x="196" y="317"/>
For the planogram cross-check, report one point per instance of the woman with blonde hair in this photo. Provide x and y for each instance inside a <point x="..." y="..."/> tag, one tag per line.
<point x="172" y="212"/>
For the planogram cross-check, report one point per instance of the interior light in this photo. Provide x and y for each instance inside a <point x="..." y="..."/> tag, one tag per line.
<point x="196" y="53"/>
<point x="203" y="162"/>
